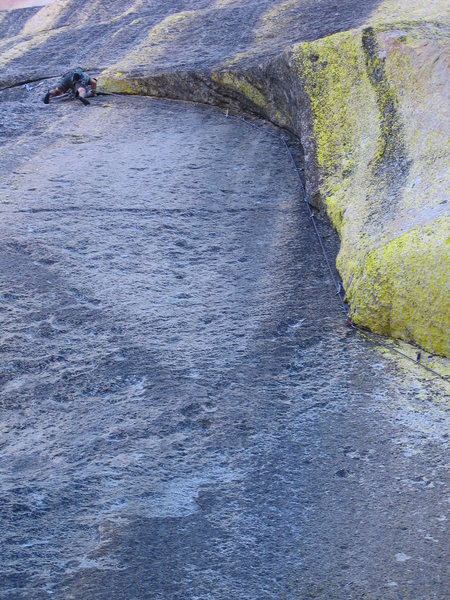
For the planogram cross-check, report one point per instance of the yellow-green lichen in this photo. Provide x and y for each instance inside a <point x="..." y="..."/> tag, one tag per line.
<point x="233" y="61"/>
<point x="381" y="149"/>
<point x="243" y="86"/>
<point x="343" y="112"/>
<point x="118" y="84"/>
<point x="330" y="71"/>
<point x="402" y="288"/>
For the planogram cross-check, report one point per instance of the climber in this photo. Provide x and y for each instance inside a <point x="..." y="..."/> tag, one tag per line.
<point x="83" y="86"/>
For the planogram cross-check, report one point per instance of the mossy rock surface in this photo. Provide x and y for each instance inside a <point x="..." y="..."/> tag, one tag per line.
<point x="380" y="129"/>
<point x="364" y="84"/>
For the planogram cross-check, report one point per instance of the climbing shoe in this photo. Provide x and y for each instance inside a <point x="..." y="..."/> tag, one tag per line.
<point x="84" y="101"/>
<point x="46" y="98"/>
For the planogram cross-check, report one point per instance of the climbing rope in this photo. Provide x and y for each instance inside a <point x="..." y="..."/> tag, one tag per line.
<point x="337" y="284"/>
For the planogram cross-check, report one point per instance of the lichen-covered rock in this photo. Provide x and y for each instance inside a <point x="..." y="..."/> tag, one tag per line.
<point x="364" y="84"/>
<point x="370" y="108"/>
<point x="380" y="128"/>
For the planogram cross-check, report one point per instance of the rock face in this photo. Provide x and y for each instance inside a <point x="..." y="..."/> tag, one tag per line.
<point x="364" y="85"/>
<point x="379" y="130"/>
